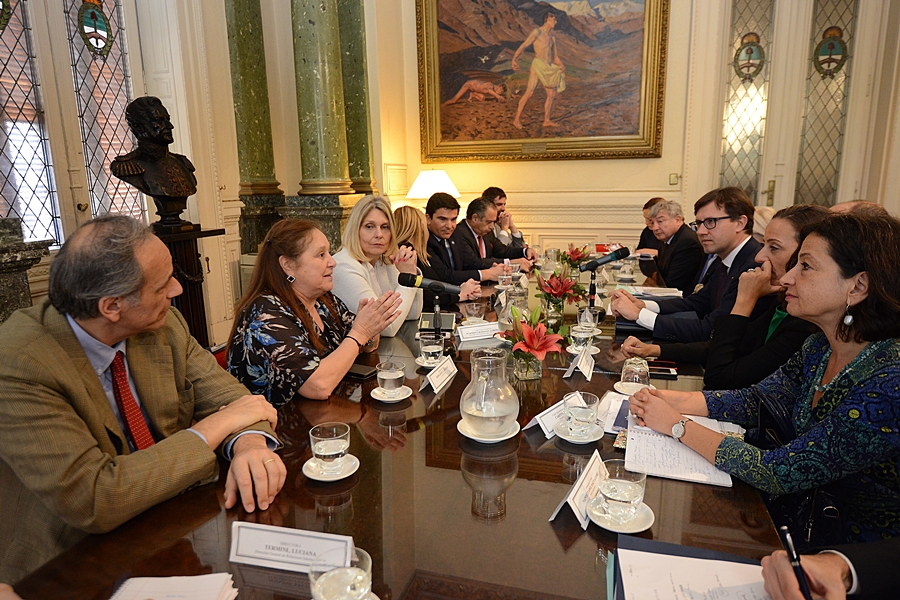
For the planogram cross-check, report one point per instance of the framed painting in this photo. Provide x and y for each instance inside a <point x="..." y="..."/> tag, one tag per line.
<point x="526" y="80"/>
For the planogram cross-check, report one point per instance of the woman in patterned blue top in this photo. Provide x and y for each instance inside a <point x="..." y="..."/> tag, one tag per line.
<point x="291" y="334"/>
<point x="842" y="387"/>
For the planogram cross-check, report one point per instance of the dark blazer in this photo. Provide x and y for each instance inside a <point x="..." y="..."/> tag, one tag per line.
<point x="704" y="305"/>
<point x="448" y="300"/>
<point x="877" y="566"/>
<point x="680" y="260"/>
<point x="440" y="263"/>
<point x="738" y="355"/>
<point x="468" y="247"/>
<point x="648" y="240"/>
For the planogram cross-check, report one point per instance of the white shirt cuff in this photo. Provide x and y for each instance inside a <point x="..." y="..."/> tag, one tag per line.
<point x="651" y="306"/>
<point x="854" y="587"/>
<point x="647" y="319"/>
<point x="271" y="442"/>
<point x="200" y="435"/>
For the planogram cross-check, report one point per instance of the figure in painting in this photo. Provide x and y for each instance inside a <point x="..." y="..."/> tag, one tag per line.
<point x="546" y="68"/>
<point x="478" y="89"/>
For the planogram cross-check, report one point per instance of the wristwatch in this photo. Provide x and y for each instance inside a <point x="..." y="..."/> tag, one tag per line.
<point x="678" y="429"/>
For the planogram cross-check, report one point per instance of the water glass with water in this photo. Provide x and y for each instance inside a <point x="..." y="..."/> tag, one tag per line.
<point x="582" y="336"/>
<point x="475" y="311"/>
<point x="581" y="413"/>
<point x="504" y="281"/>
<point x="431" y="347"/>
<point x="330" y="443"/>
<point x="621" y="493"/>
<point x="390" y="378"/>
<point x="331" y="579"/>
<point x="635" y="375"/>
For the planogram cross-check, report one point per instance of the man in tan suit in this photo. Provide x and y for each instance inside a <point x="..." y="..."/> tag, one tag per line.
<point x="108" y="406"/>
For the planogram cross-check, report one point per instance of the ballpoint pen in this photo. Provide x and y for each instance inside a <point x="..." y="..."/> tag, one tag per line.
<point x="794" y="558"/>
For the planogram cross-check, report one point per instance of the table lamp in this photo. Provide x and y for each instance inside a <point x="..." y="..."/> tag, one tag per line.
<point x="430" y="182"/>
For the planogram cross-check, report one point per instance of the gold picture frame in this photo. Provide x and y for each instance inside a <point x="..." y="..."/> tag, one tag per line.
<point x="470" y="91"/>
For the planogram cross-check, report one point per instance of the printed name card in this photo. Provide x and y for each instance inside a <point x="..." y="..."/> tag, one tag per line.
<point x="585" y="489"/>
<point x="523" y="280"/>
<point x="550" y="417"/>
<point x="283" y="548"/>
<point x="479" y="331"/>
<point x="440" y="375"/>
<point x="584" y="362"/>
<point x="501" y="299"/>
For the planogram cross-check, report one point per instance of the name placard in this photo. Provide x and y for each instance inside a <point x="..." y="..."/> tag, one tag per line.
<point x="479" y="331"/>
<point x="585" y="489"/>
<point x="550" y="417"/>
<point x="440" y="375"/>
<point x="284" y="548"/>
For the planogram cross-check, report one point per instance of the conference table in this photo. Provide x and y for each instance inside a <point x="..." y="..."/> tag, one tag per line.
<point x="442" y="516"/>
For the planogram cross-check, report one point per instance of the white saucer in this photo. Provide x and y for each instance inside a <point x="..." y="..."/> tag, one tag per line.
<point x="641" y="521"/>
<point x="422" y="363"/>
<point x="464" y="429"/>
<point x="594" y="349"/>
<point x="625" y="279"/>
<point x="595" y="434"/>
<point x="622" y="387"/>
<point x="378" y="394"/>
<point x="351" y="464"/>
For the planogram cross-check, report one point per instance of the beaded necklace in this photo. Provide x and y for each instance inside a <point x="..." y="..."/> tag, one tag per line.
<point x="820" y="372"/>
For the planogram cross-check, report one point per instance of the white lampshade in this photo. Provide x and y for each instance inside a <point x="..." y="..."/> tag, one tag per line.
<point x="430" y="182"/>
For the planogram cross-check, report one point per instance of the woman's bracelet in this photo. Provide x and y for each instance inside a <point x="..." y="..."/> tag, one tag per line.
<point x="358" y="344"/>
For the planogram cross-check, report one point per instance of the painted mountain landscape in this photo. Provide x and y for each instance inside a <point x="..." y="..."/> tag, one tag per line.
<point x="595" y="44"/>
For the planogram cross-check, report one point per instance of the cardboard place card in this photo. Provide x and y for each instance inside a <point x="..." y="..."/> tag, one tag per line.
<point x="283" y="548"/>
<point x="440" y="375"/>
<point x="585" y="489"/>
<point x="550" y="417"/>
<point x="479" y="331"/>
<point x="586" y="363"/>
<point x="501" y="299"/>
<point x="523" y="280"/>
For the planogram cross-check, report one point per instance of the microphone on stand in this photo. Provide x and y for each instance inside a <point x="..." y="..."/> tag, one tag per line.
<point x="599" y="262"/>
<point x="417" y="281"/>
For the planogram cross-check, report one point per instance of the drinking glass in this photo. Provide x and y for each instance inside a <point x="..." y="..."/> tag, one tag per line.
<point x="590" y="316"/>
<point x="581" y="413"/>
<point x="515" y="268"/>
<point x="329" y="443"/>
<point x="475" y="311"/>
<point x="390" y="378"/>
<point x="504" y="281"/>
<point x="330" y="579"/>
<point x="626" y="272"/>
<point x="621" y="493"/>
<point x="635" y="375"/>
<point x="582" y="336"/>
<point x="431" y="347"/>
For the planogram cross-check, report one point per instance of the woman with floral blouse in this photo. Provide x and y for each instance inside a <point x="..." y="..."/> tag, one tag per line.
<point x="841" y="388"/>
<point x="291" y="335"/>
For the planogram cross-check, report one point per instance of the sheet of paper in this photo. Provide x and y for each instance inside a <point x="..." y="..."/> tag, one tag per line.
<point x="643" y="290"/>
<point x="649" y="575"/>
<point x="479" y="331"/>
<point x="663" y="456"/>
<point x="217" y="586"/>
<point x="585" y="489"/>
<point x="440" y="374"/>
<point x="282" y="547"/>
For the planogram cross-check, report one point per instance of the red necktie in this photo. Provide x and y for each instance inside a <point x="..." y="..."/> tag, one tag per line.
<point x="481" y="246"/>
<point x="128" y="408"/>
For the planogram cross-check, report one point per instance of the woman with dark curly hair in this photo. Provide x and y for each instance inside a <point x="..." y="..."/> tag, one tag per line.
<point x="840" y="389"/>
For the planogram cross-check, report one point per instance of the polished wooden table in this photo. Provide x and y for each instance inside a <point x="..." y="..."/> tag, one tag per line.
<point x="442" y="516"/>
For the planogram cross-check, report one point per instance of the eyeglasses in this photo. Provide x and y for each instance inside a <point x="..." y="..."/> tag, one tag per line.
<point x="709" y="223"/>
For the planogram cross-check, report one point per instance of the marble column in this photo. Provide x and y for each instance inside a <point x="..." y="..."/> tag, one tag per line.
<point x="328" y="210"/>
<point x="357" y="108"/>
<point x="320" y="98"/>
<point x="260" y="191"/>
<point x="16" y="257"/>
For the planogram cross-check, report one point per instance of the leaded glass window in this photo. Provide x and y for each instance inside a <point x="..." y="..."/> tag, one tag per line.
<point x="827" y="89"/>
<point x="102" y="90"/>
<point x="746" y="96"/>
<point x="26" y="178"/>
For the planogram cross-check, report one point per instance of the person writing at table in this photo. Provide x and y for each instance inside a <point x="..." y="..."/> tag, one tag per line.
<point x="841" y="388"/>
<point x="370" y="262"/>
<point x="412" y="232"/>
<point x="291" y="335"/>
<point x="744" y="351"/>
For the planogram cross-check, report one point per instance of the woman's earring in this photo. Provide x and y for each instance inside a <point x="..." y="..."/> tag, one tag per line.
<point x="291" y="279"/>
<point x="848" y="318"/>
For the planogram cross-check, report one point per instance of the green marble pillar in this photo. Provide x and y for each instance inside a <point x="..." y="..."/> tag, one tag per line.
<point x="320" y="98"/>
<point x="16" y="257"/>
<point x="357" y="109"/>
<point x="259" y="189"/>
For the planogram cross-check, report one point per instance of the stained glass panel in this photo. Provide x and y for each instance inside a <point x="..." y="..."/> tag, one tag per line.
<point x="26" y="177"/>
<point x="102" y="90"/>
<point x="827" y="89"/>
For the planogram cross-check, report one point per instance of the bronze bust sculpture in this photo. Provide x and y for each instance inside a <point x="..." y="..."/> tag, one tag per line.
<point x="166" y="177"/>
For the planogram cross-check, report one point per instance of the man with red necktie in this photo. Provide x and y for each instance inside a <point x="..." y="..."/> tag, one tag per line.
<point x="474" y="238"/>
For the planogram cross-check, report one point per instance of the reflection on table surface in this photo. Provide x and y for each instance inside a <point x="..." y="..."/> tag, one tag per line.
<point x="440" y="515"/>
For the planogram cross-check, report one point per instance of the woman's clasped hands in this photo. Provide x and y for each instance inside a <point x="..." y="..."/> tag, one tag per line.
<point x="650" y="409"/>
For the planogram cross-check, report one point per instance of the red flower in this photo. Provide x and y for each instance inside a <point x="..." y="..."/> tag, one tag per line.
<point x="556" y="286"/>
<point x="537" y="342"/>
<point x="576" y="255"/>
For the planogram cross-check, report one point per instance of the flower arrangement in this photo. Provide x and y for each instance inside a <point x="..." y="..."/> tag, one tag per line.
<point x="531" y="342"/>
<point x="560" y="287"/>
<point x="575" y="256"/>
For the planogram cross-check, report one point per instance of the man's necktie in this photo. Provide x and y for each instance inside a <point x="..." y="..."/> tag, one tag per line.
<point x="128" y="407"/>
<point x="450" y="254"/>
<point x="721" y="279"/>
<point x="481" y="246"/>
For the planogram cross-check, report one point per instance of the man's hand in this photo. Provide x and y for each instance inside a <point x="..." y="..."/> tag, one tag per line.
<point x="634" y="347"/>
<point x="238" y="415"/>
<point x="623" y="304"/>
<point x="524" y="264"/>
<point x="504" y="220"/>
<point x="253" y="467"/>
<point x="828" y="575"/>
<point x="494" y="272"/>
<point x="7" y="593"/>
<point x="531" y="254"/>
